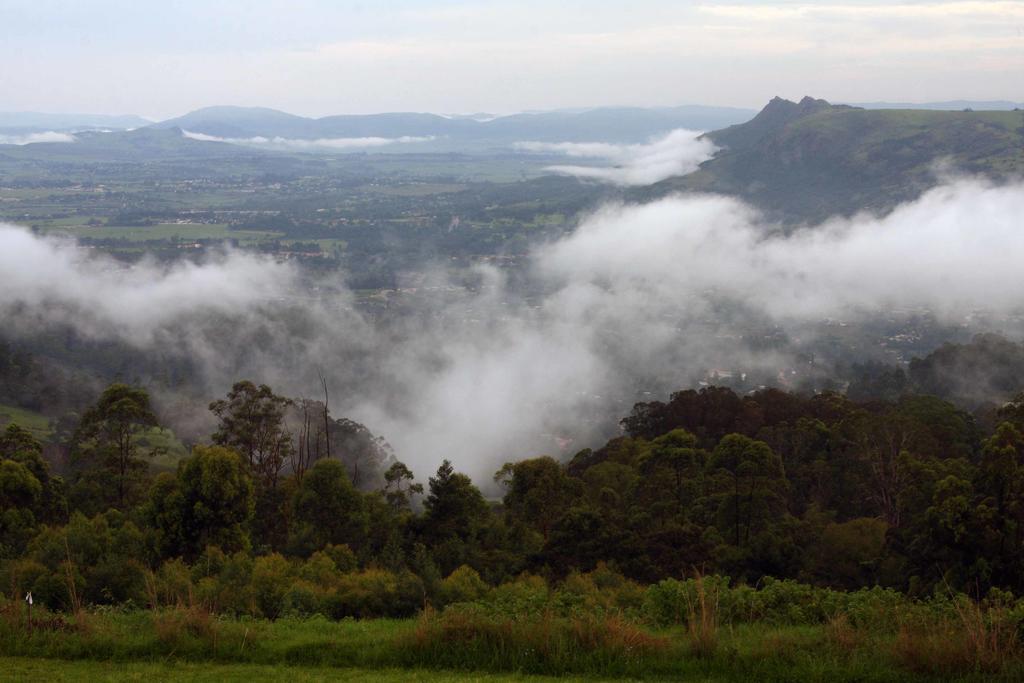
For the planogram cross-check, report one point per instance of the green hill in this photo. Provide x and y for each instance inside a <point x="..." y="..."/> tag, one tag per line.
<point x="804" y="161"/>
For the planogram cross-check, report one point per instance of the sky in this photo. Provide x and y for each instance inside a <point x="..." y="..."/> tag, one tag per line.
<point x="321" y="57"/>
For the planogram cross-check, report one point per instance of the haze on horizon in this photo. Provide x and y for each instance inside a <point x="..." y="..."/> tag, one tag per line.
<point x="315" y="57"/>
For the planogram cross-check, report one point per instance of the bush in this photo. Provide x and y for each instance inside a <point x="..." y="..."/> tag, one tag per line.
<point x="18" y="576"/>
<point x="462" y="585"/>
<point x="271" y="576"/>
<point x="528" y="594"/>
<point x="172" y="584"/>
<point x="101" y="555"/>
<point x="320" y="569"/>
<point x="775" y="602"/>
<point x="470" y="636"/>
<point x="375" y="593"/>
<point x="303" y="599"/>
<point x="231" y="590"/>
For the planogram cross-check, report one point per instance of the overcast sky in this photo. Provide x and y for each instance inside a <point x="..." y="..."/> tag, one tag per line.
<point x="319" y="57"/>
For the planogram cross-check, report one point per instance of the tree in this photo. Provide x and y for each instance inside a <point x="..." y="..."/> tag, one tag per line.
<point x="672" y="469"/>
<point x="455" y="515"/>
<point x="209" y="502"/>
<point x="454" y="506"/>
<point x="327" y="509"/>
<point x="847" y="554"/>
<point x="98" y="560"/>
<point x="880" y="444"/>
<point x="311" y="443"/>
<point x="399" y="487"/>
<point x="252" y="423"/>
<point x="749" y="485"/>
<point x="107" y="437"/>
<point x="1000" y="481"/>
<point x="20" y="494"/>
<point x="18" y="444"/>
<point x="538" y="492"/>
<point x="364" y="454"/>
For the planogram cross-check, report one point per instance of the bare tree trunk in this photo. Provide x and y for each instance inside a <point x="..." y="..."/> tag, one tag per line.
<point x="327" y="424"/>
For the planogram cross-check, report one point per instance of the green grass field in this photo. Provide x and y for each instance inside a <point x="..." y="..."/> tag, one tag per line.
<point x="37" y="423"/>
<point x="169" y="449"/>
<point x="166" y="231"/>
<point x="26" y="669"/>
<point x="183" y="644"/>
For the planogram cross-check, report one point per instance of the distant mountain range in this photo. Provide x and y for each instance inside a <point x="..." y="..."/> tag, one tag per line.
<point x="950" y="105"/>
<point x="140" y="144"/>
<point x="807" y="160"/>
<point x="605" y="124"/>
<point x="28" y="121"/>
<point x="621" y="124"/>
<point x="797" y="161"/>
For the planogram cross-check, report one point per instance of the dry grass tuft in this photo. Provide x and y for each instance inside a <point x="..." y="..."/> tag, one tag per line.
<point x="175" y="624"/>
<point x="702" y="619"/>
<point x="842" y="634"/>
<point x="975" y="640"/>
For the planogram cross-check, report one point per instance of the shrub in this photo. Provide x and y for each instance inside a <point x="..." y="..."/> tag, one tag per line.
<point x="602" y="589"/>
<point x="670" y="601"/>
<point x="702" y="616"/>
<point x="320" y="569"/>
<point x="528" y="594"/>
<point x="468" y="635"/>
<point x="174" y="625"/>
<point x="462" y="585"/>
<point x="172" y="584"/>
<point x="232" y="590"/>
<point x="343" y="557"/>
<point x="271" y="576"/>
<point x="303" y="599"/>
<point x="18" y="576"/>
<point x="375" y="593"/>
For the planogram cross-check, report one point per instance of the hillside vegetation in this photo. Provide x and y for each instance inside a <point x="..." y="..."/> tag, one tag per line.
<point x="810" y="160"/>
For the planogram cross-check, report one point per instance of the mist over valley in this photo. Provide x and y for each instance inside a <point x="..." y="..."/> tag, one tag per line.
<point x="431" y="340"/>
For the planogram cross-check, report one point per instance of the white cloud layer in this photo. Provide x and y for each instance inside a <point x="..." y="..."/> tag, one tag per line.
<point x="32" y="138"/>
<point x="676" y="153"/>
<point x="483" y="376"/>
<point x="311" y="145"/>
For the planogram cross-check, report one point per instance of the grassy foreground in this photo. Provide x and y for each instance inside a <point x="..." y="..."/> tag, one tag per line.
<point x="191" y="644"/>
<point x="26" y="669"/>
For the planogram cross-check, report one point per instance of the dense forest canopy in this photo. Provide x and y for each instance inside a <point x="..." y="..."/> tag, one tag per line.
<point x="912" y="493"/>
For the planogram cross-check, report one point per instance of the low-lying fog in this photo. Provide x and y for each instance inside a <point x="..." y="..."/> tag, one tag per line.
<point x="484" y="375"/>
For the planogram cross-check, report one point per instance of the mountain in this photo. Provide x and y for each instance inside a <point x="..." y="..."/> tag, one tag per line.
<point x="612" y="124"/>
<point x="141" y="144"/>
<point x="241" y="122"/>
<point x="28" y="121"/>
<point x="950" y="105"/>
<point x="804" y="161"/>
<point x="609" y="124"/>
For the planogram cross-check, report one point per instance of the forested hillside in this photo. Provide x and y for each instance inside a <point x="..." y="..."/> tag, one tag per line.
<point x="913" y="494"/>
<point x="803" y="162"/>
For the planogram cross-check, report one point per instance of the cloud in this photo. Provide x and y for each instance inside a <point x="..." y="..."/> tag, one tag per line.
<point x="32" y="138"/>
<point x="312" y="145"/>
<point x="676" y="153"/>
<point x="640" y="298"/>
<point x="952" y="250"/>
<point x="57" y="279"/>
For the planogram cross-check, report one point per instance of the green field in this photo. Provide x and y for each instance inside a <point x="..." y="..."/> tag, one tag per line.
<point x="166" y="231"/>
<point x="190" y="644"/>
<point x="37" y="423"/>
<point x="169" y="449"/>
<point x="25" y="669"/>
